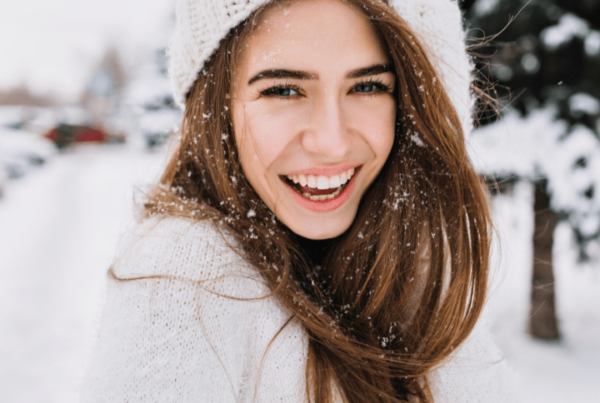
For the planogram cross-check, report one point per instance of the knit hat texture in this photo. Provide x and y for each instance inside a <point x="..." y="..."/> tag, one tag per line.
<point x="202" y="24"/>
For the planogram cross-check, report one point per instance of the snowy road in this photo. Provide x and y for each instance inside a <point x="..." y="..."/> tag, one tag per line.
<point x="59" y="227"/>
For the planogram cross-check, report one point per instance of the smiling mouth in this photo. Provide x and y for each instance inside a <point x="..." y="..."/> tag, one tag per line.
<point x="319" y="187"/>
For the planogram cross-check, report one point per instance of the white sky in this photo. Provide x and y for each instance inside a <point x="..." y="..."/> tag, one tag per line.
<point x="51" y="45"/>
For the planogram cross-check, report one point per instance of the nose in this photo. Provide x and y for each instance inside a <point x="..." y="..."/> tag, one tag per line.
<point x="328" y="133"/>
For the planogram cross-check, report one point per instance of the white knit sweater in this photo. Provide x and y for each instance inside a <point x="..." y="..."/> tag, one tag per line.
<point x="177" y="339"/>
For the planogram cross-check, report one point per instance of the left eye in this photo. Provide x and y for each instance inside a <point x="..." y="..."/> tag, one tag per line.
<point x="370" y="87"/>
<point x="365" y="87"/>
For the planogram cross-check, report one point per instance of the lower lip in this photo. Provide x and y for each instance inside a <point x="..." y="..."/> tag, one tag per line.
<point x="324" y="206"/>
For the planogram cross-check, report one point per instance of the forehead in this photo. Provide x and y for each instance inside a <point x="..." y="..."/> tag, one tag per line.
<point x="312" y="35"/>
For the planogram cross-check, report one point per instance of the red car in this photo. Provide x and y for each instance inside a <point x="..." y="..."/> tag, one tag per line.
<point x="64" y="135"/>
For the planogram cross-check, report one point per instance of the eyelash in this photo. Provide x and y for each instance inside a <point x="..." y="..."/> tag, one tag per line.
<point x="378" y="83"/>
<point x="271" y="91"/>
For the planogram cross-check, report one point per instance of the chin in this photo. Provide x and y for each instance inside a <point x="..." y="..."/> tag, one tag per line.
<point x="319" y="229"/>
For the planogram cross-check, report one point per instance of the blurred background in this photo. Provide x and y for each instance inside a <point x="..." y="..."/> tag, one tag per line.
<point x="86" y="114"/>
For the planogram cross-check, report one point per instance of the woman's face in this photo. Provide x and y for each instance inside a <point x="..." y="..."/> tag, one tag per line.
<point x="313" y="113"/>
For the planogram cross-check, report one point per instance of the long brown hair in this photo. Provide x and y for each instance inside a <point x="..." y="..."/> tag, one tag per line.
<point x="403" y="286"/>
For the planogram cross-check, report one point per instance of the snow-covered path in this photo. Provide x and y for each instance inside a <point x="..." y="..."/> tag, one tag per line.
<point x="58" y="230"/>
<point x="59" y="227"/>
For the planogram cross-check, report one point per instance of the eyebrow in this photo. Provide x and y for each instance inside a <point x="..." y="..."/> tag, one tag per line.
<point x="369" y="71"/>
<point x="282" y="73"/>
<point x="304" y="75"/>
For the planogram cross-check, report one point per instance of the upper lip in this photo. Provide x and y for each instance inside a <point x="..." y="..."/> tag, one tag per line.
<point x="324" y="171"/>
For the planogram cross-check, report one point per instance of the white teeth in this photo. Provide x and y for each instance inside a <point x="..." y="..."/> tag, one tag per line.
<point x="322" y="197"/>
<point x="322" y="183"/>
<point x="334" y="182"/>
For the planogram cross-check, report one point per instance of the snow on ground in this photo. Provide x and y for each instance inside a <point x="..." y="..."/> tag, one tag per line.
<point x="59" y="227"/>
<point x="58" y="230"/>
<point x="568" y="371"/>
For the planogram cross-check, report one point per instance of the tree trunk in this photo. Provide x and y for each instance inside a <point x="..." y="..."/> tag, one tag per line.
<point x="543" y="323"/>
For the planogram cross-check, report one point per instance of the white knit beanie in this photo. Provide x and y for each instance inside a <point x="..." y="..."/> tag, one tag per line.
<point x="202" y="24"/>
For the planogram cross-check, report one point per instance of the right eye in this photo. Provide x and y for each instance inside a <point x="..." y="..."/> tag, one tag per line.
<point x="282" y="91"/>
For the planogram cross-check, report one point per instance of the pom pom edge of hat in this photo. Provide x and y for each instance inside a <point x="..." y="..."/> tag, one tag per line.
<point x="201" y="25"/>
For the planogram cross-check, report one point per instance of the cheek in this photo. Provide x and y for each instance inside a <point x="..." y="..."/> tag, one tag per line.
<point x="262" y="135"/>
<point x="378" y="125"/>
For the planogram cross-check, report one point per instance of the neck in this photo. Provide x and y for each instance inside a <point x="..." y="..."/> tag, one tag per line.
<point x="315" y="250"/>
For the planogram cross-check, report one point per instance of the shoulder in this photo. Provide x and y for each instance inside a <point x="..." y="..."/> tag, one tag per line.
<point x="184" y="320"/>
<point x="182" y="249"/>
<point x="476" y="372"/>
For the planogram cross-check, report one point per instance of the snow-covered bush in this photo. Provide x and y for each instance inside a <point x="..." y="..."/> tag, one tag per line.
<point x="151" y="103"/>
<point x="539" y="145"/>
<point x="545" y="65"/>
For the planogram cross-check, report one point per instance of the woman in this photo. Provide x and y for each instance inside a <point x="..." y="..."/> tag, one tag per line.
<point x="320" y="233"/>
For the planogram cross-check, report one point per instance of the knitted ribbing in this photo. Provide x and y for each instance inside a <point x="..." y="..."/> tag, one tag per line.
<point x="202" y="24"/>
<point x="177" y="338"/>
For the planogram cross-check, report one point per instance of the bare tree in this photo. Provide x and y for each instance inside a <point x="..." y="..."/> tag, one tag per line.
<point x="543" y="323"/>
